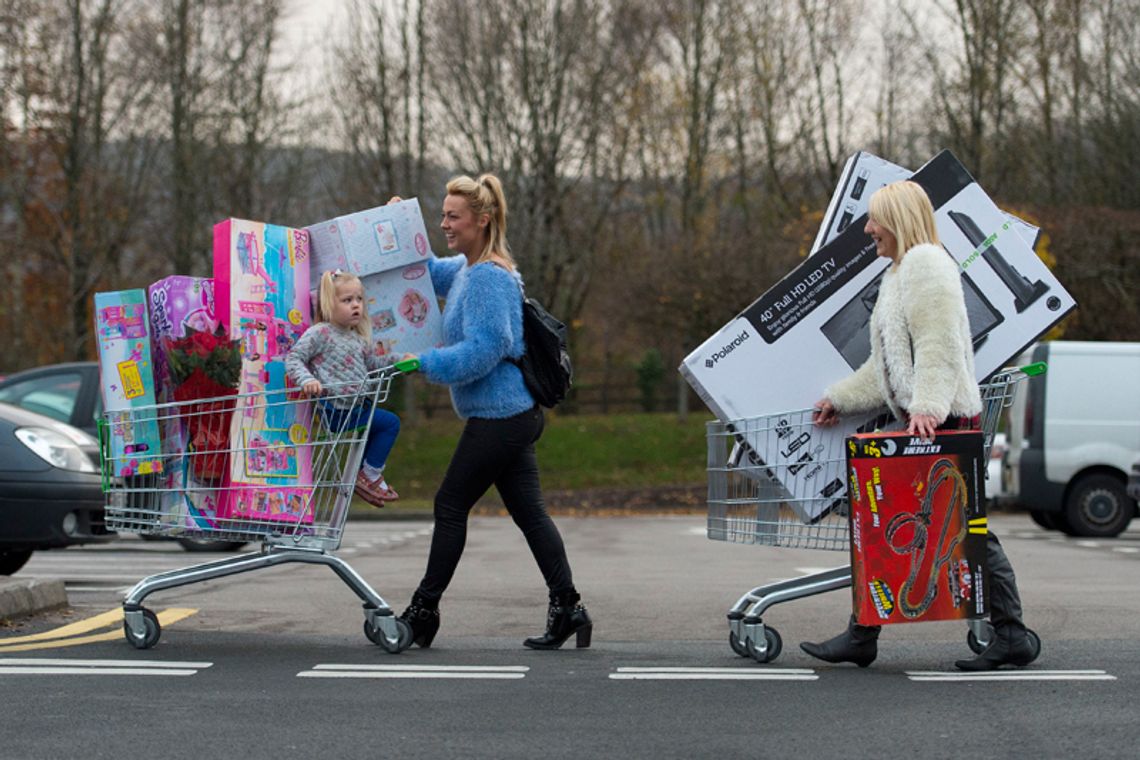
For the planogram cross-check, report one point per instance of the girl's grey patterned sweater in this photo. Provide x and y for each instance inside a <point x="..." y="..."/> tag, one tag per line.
<point x="333" y="355"/>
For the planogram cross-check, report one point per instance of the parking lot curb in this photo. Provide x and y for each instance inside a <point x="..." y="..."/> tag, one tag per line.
<point x="26" y="596"/>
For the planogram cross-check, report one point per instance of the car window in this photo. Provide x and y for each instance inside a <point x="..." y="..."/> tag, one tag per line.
<point x="50" y="395"/>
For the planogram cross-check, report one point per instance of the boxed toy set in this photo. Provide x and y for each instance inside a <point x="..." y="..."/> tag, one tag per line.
<point x="374" y="240"/>
<point x="918" y="527"/>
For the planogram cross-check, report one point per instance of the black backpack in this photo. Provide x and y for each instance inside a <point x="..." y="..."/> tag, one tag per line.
<point x="545" y="364"/>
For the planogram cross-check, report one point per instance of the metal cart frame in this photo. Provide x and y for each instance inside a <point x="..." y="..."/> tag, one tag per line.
<point x="740" y="487"/>
<point x="199" y="485"/>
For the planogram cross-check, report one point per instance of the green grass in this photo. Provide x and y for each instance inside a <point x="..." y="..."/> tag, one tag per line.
<point x="575" y="452"/>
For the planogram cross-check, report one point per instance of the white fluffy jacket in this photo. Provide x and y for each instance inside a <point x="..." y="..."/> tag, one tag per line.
<point x="922" y="357"/>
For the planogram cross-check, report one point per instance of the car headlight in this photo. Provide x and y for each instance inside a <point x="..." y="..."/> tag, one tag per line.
<point x="55" y="448"/>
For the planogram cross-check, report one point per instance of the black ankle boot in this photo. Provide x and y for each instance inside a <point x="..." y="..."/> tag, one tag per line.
<point x="564" y="617"/>
<point x="1010" y="646"/>
<point x="858" y="644"/>
<point x="423" y="616"/>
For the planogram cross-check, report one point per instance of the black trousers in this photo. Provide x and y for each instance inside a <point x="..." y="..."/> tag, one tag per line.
<point x="499" y="453"/>
<point x="1005" y="601"/>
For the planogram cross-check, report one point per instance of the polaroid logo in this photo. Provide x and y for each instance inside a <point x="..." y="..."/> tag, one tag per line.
<point x="726" y="350"/>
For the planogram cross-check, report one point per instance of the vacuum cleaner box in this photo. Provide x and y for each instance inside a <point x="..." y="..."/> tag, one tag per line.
<point x="812" y="328"/>
<point x="918" y="527"/>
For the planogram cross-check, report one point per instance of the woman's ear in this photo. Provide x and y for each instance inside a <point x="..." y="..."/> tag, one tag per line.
<point x="484" y="220"/>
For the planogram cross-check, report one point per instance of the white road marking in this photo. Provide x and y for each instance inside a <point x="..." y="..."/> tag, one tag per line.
<point x="71" y="667"/>
<point x="713" y="674"/>
<point x="1126" y="549"/>
<point x="1012" y="675"/>
<point x="416" y="671"/>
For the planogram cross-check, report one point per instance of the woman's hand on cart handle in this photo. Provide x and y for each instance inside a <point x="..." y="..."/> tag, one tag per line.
<point x="408" y="363"/>
<point x="923" y="425"/>
<point x="311" y="388"/>
<point x="824" y="413"/>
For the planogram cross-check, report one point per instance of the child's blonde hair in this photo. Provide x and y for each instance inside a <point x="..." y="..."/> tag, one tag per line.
<point x="326" y="299"/>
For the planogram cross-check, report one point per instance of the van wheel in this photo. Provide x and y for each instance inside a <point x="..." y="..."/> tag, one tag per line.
<point x="1098" y="506"/>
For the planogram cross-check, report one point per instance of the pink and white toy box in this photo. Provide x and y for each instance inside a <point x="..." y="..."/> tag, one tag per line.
<point x="375" y="240"/>
<point x="404" y="311"/>
<point x="261" y="290"/>
<point x="126" y="375"/>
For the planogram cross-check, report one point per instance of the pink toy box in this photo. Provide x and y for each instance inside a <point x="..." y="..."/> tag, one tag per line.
<point x="261" y="289"/>
<point x="375" y="240"/>
<point x="127" y="380"/>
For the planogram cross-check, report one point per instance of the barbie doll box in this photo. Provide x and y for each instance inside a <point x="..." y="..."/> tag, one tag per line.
<point x="404" y="311"/>
<point x="918" y="527"/>
<point x="177" y="304"/>
<point x="261" y="290"/>
<point x="366" y="242"/>
<point x="126" y="374"/>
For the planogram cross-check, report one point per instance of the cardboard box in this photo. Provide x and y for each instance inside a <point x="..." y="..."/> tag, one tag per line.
<point x="261" y="288"/>
<point x="811" y="329"/>
<point x="126" y="376"/>
<point x="918" y="527"/>
<point x="370" y="241"/>
<point x="404" y="311"/>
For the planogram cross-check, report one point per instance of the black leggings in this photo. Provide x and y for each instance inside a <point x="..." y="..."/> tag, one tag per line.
<point x="500" y="453"/>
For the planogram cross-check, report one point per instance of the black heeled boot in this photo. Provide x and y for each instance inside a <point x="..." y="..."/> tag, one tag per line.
<point x="858" y="644"/>
<point x="564" y="617"/>
<point x="423" y="617"/>
<point x="1011" y="646"/>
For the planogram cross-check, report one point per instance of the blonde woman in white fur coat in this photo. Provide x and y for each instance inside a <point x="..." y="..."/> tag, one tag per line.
<point x="922" y="367"/>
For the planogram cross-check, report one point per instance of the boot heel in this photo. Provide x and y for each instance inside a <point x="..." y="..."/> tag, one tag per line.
<point x="584" y="633"/>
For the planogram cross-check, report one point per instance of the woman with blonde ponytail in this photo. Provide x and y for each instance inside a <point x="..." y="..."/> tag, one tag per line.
<point x="483" y="332"/>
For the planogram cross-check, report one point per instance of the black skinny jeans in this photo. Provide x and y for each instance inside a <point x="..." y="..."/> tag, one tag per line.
<point x="500" y="453"/>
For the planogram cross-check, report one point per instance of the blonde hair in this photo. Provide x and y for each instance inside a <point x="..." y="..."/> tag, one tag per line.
<point x="326" y="300"/>
<point x="485" y="196"/>
<point x="904" y="208"/>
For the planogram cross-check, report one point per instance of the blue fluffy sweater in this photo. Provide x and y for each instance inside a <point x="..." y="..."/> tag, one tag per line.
<point x="482" y="328"/>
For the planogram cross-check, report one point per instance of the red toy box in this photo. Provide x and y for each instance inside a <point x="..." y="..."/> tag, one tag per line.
<point x="918" y="527"/>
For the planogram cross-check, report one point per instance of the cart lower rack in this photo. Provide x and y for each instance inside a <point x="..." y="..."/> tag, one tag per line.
<point x="748" y="503"/>
<point x="271" y="467"/>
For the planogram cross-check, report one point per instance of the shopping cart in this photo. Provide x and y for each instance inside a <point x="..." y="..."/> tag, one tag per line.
<point x="272" y="467"/>
<point x="749" y="503"/>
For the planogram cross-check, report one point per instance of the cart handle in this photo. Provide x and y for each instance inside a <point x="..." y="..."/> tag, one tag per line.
<point x="407" y="365"/>
<point x="1035" y="369"/>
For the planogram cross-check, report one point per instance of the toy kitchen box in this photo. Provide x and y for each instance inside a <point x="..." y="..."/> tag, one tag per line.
<point x="918" y="527"/>
<point x="126" y="375"/>
<point x="261" y="292"/>
<point x="374" y="240"/>
<point x="812" y="329"/>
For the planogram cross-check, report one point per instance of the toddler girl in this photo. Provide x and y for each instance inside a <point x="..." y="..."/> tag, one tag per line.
<point x="337" y="351"/>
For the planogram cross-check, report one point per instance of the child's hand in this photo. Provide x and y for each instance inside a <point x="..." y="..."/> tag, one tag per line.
<point x="311" y="388"/>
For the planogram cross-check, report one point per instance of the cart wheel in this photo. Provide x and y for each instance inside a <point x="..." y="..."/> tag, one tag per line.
<point x="153" y="631"/>
<point x="977" y="648"/>
<point x="403" y="641"/>
<point x="774" y="642"/>
<point x="737" y="645"/>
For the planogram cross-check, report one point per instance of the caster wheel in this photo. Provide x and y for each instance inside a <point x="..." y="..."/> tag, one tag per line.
<point x="403" y="641"/>
<point x="148" y="639"/>
<point x="774" y="642"/>
<point x="976" y="646"/>
<point x="737" y="645"/>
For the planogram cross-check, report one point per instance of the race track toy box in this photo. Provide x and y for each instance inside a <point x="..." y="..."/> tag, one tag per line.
<point x="126" y="374"/>
<point x="918" y="527"/>
<point x="261" y="291"/>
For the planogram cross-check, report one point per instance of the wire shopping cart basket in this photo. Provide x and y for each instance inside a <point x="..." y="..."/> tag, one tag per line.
<point x="272" y="467"/>
<point x="749" y="503"/>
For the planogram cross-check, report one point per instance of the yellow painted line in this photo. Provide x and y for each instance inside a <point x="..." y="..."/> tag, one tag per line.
<point x="165" y="618"/>
<point x="80" y="626"/>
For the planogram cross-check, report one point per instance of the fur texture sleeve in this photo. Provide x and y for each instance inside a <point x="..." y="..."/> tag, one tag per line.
<point x="858" y="392"/>
<point x="935" y="311"/>
<point x="443" y="272"/>
<point x="488" y="298"/>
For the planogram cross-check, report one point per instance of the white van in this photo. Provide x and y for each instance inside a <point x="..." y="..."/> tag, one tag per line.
<point x="1072" y="448"/>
